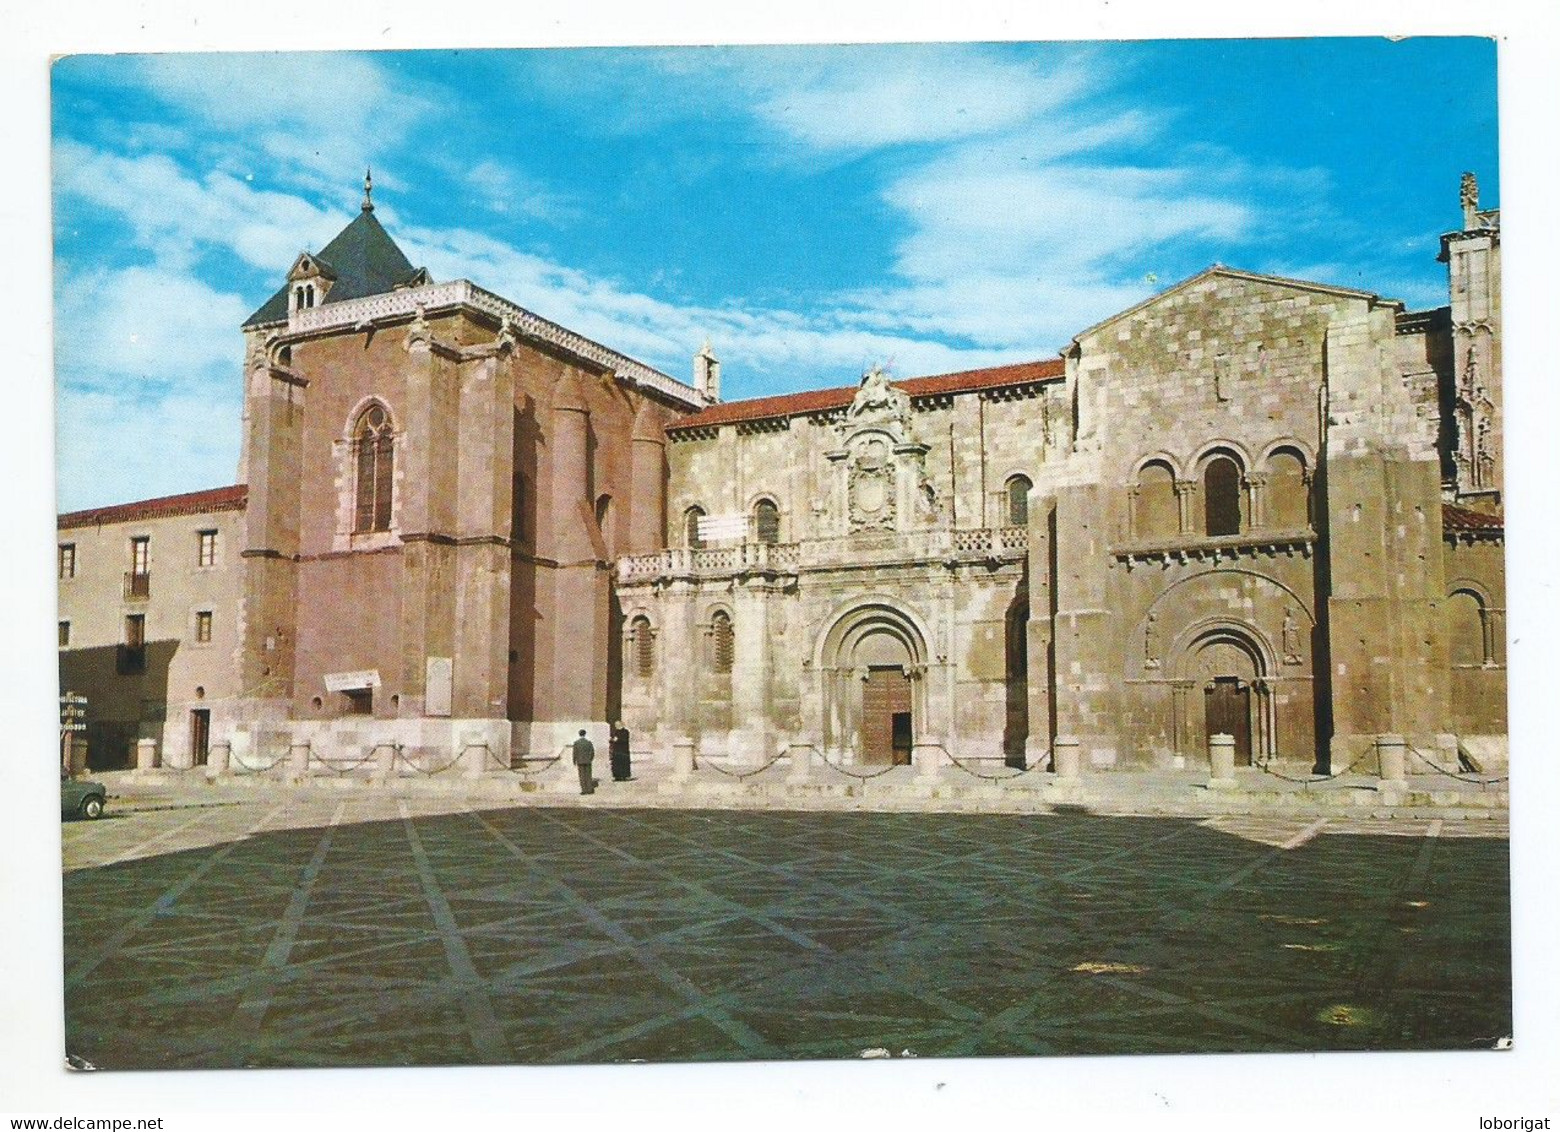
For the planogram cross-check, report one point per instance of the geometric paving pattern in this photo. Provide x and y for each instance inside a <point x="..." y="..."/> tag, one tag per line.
<point x="321" y="932"/>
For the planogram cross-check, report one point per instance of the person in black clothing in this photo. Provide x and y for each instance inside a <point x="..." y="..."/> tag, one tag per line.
<point x="619" y="751"/>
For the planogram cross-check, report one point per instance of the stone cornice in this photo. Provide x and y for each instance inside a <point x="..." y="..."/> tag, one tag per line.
<point x="367" y="312"/>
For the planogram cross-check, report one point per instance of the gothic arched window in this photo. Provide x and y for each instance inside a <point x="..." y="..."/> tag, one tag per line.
<point x="373" y="443"/>
<point x="722" y="642"/>
<point x="691" y="535"/>
<point x="766" y="521"/>
<point x="1221" y="496"/>
<point x="1018" y="501"/>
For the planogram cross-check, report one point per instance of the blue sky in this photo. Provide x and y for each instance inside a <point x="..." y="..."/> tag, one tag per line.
<point x="810" y="210"/>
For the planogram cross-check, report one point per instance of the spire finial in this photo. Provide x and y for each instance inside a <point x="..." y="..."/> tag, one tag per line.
<point x="368" y="190"/>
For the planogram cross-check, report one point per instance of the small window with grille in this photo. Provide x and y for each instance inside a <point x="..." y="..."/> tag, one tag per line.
<point x="692" y="538"/>
<point x="644" y="648"/>
<point x="722" y="642"/>
<point x="206" y="548"/>
<point x="203" y="627"/>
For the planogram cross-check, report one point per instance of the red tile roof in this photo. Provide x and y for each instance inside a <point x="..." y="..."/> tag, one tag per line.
<point x="1463" y="519"/>
<point x="819" y="400"/>
<point x="190" y="503"/>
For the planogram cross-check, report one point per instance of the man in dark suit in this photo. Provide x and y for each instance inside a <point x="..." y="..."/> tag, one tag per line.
<point x="620" y="752"/>
<point x="584" y="755"/>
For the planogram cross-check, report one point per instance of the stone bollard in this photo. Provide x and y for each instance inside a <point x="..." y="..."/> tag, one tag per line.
<point x="801" y="763"/>
<point x="217" y="759"/>
<point x="474" y="756"/>
<point x="1065" y="757"/>
<point x="682" y="757"/>
<point x="145" y="754"/>
<point x="1392" y="751"/>
<point x="298" y="760"/>
<point x="384" y="762"/>
<point x="1221" y="759"/>
<point x="78" y="755"/>
<point x="929" y="756"/>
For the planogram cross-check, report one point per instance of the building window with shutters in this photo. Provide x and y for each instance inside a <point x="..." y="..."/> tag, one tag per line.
<point x="723" y="642"/>
<point x="67" y="560"/>
<point x="203" y="627"/>
<point x="766" y="521"/>
<point x="373" y="442"/>
<point x="64" y="634"/>
<point x="205" y="548"/>
<point x="138" y="582"/>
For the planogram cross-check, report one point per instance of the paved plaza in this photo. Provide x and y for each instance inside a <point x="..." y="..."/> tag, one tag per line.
<point x="305" y="927"/>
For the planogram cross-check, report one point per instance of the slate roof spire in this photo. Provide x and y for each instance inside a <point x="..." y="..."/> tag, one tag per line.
<point x="362" y="260"/>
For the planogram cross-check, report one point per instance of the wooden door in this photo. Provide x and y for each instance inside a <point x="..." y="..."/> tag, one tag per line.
<point x="1229" y="713"/>
<point x="885" y="695"/>
<point x="200" y="735"/>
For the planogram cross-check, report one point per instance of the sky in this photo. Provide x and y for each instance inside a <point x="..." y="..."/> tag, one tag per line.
<point x="811" y="211"/>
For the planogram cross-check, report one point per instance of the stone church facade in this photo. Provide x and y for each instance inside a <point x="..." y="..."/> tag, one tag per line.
<point x="1249" y="505"/>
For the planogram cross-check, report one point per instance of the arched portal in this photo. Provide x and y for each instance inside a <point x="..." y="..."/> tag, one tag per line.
<point x="873" y="658"/>
<point x="1226" y="669"/>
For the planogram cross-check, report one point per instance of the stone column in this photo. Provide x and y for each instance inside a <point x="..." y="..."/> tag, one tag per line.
<point x="1066" y="758"/>
<point x="1181" y="693"/>
<point x="750" y="671"/>
<point x="483" y="508"/>
<point x="647" y="518"/>
<point x="801" y="763"/>
<point x="1037" y="745"/>
<point x="577" y="649"/>
<point x="1185" y="494"/>
<point x="1392" y="751"/>
<point x="682" y="757"/>
<point x="1256" y="500"/>
<point x="930" y="756"/>
<point x="1221" y="760"/>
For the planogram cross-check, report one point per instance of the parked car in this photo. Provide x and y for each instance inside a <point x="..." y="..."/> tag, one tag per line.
<point x="81" y="798"/>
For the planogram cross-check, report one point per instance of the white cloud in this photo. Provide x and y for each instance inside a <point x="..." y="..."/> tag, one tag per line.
<point x="176" y="217"/>
<point x="825" y="346"/>
<point x="323" y="117"/>
<point x="868" y="98"/>
<point x="114" y="445"/>
<point x="145" y="325"/>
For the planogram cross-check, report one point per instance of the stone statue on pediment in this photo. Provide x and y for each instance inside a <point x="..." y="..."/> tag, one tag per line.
<point x="877" y="400"/>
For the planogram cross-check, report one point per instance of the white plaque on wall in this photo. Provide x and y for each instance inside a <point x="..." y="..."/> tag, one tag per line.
<point x="441" y="681"/>
<point x="351" y="681"/>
